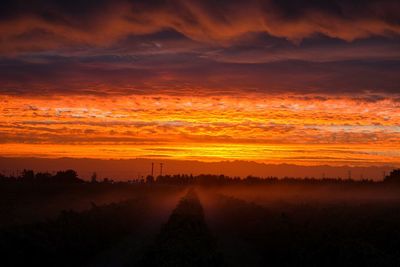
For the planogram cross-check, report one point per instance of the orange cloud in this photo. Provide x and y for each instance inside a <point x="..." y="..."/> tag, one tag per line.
<point x="256" y="127"/>
<point x="205" y="80"/>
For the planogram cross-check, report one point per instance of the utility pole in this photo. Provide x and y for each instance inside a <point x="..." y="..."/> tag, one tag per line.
<point x="349" y="175"/>
<point x="152" y="169"/>
<point x="161" y="165"/>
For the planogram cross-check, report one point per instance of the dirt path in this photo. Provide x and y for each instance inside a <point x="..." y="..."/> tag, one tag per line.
<point x="185" y="239"/>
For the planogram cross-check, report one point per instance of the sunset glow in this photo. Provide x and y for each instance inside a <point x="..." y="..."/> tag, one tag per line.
<point x="266" y="81"/>
<point x="199" y="133"/>
<point x="262" y="128"/>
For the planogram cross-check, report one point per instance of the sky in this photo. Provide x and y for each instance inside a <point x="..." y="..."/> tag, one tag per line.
<point x="274" y="81"/>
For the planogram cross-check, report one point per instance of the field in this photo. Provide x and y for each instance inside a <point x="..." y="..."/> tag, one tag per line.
<point x="306" y="225"/>
<point x="125" y="224"/>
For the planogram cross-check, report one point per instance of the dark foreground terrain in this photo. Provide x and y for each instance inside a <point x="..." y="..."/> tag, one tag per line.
<point x="342" y="224"/>
<point x="185" y="239"/>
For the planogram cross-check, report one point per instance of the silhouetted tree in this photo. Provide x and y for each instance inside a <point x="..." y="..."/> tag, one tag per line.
<point x="93" y="179"/>
<point x="27" y="175"/>
<point x="68" y="176"/>
<point x="149" y="179"/>
<point x="43" y="177"/>
<point x="393" y="177"/>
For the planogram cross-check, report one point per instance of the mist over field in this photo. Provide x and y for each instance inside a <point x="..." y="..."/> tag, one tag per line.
<point x="208" y="133"/>
<point x="127" y="169"/>
<point x="200" y="220"/>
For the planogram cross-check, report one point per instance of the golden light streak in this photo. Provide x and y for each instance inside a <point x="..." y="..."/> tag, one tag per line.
<point x="262" y="128"/>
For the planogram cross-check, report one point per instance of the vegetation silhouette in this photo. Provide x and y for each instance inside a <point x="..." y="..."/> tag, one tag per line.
<point x="306" y="234"/>
<point x="239" y="222"/>
<point x="185" y="239"/>
<point x="28" y="176"/>
<point x="71" y="177"/>
<point x="393" y="177"/>
<point x="71" y="239"/>
<point x="76" y="238"/>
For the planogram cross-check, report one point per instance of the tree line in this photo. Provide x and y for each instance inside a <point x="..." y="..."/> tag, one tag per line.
<point x="71" y="177"/>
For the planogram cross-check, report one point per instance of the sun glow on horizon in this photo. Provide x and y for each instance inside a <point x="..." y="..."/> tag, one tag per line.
<point x="263" y="128"/>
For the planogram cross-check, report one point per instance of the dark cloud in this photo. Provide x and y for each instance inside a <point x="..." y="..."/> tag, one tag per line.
<point x="318" y="49"/>
<point x="174" y="46"/>
<point x="177" y="74"/>
<point x="44" y="24"/>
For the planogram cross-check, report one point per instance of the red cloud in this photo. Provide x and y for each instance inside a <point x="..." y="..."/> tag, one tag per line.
<point x="41" y="28"/>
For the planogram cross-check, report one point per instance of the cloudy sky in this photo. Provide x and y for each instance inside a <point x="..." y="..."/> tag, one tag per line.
<point x="274" y="81"/>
